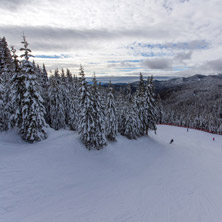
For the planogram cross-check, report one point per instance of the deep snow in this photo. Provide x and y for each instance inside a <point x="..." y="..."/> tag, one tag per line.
<point x="58" y="180"/>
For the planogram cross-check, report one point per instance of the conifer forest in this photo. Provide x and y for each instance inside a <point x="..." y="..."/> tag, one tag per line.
<point x="31" y="101"/>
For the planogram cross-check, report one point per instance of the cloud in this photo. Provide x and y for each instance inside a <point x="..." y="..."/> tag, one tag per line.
<point x="213" y="65"/>
<point x="62" y="39"/>
<point x="157" y="63"/>
<point x="180" y="57"/>
<point x="128" y="64"/>
<point x="14" y="4"/>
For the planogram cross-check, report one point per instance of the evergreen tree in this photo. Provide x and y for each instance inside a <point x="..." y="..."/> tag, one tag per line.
<point x="6" y="72"/>
<point x="131" y="129"/>
<point x="33" y="124"/>
<point x="121" y="107"/>
<point x="73" y="102"/>
<point x="111" y="120"/>
<point x="91" y="119"/>
<point x="17" y="89"/>
<point x="57" y="111"/>
<point x="151" y="106"/>
<point x="45" y="92"/>
<point x="86" y="118"/>
<point x="140" y="103"/>
<point x="65" y="89"/>
<point x="98" y="117"/>
<point x="3" y="123"/>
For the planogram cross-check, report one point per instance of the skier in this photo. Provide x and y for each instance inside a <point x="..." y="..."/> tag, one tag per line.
<point x="187" y="130"/>
<point x="213" y="138"/>
<point x="171" y="141"/>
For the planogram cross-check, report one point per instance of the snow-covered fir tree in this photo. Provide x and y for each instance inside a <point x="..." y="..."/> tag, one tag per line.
<point x="86" y="118"/>
<point x="66" y="89"/>
<point x="3" y="123"/>
<point x="98" y="117"/>
<point x="44" y="81"/>
<point x="111" y="116"/>
<point x="121" y="106"/>
<point x="33" y="124"/>
<point x="141" y="107"/>
<point x="16" y="89"/>
<point x="72" y="85"/>
<point x="56" y="106"/>
<point x="150" y="106"/>
<point x="131" y="127"/>
<point x="6" y="72"/>
<point x="91" y="119"/>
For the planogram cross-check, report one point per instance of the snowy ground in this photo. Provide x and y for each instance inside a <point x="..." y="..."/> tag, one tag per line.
<point x="144" y="180"/>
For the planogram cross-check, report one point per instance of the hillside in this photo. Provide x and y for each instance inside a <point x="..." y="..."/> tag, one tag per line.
<point x="130" y="180"/>
<point x="193" y="101"/>
<point x="196" y="84"/>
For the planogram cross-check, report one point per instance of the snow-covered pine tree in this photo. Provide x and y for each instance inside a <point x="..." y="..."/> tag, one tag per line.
<point x="140" y="103"/>
<point x="159" y="109"/>
<point x="73" y="101"/>
<point x="86" y="122"/>
<point x="103" y="96"/>
<point x="111" y="116"/>
<point x="38" y="72"/>
<point x="16" y="89"/>
<point x="2" y="93"/>
<point x="131" y="129"/>
<point x="45" y="93"/>
<point x="66" y="96"/>
<point x="98" y="117"/>
<point x="151" y="109"/>
<point x="6" y="72"/>
<point x="121" y="107"/>
<point x="3" y="123"/>
<point x="63" y="78"/>
<point x="45" y="78"/>
<point x="86" y="117"/>
<point x="73" y="112"/>
<point x="57" y="111"/>
<point x="32" y="123"/>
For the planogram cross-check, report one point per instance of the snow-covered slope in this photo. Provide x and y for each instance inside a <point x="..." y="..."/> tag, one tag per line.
<point x="58" y="180"/>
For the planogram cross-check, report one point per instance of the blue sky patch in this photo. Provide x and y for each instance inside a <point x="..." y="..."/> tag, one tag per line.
<point x="62" y="56"/>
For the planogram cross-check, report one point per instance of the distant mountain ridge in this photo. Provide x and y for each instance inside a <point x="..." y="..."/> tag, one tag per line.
<point x="165" y="87"/>
<point x="197" y="83"/>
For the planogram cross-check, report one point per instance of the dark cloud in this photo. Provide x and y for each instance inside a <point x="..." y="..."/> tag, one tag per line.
<point x="183" y="56"/>
<point x="51" y="38"/>
<point x="121" y="64"/>
<point x="157" y="63"/>
<point x="13" y="4"/>
<point x="214" y="65"/>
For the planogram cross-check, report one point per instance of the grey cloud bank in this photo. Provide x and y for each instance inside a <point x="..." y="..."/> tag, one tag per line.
<point x="158" y="63"/>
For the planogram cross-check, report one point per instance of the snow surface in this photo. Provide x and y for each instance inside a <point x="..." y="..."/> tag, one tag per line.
<point x="58" y="180"/>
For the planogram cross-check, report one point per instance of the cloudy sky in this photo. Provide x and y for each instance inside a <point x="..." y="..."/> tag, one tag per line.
<point x="119" y="37"/>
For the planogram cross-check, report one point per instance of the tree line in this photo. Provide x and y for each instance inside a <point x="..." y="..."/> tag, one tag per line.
<point x="195" y="108"/>
<point x="31" y="101"/>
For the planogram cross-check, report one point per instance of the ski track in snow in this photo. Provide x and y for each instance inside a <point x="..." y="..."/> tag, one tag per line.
<point x="130" y="180"/>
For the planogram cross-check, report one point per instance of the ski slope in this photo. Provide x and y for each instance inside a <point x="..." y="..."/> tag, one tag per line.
<point x="58" y="180"/>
